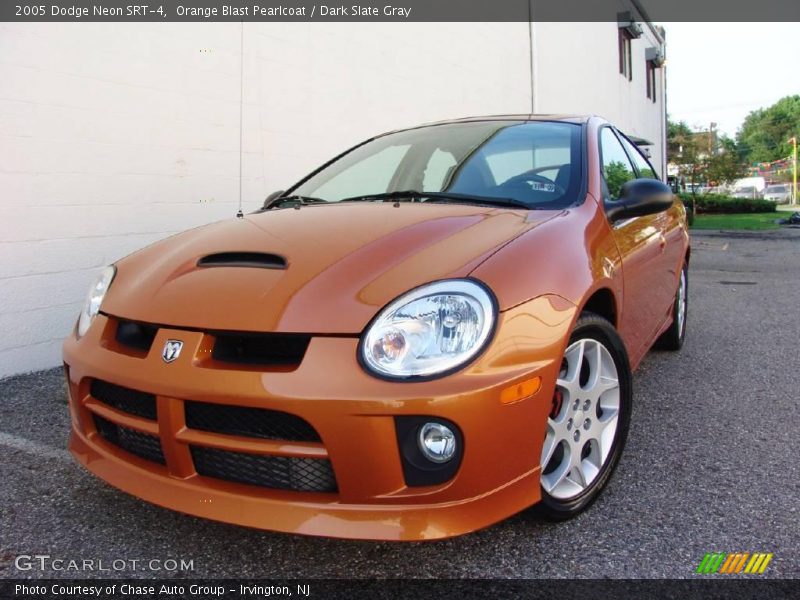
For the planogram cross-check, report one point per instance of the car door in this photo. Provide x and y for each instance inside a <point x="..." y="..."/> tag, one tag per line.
<point x="641" y="245"/>
<point x="671" y="259"/>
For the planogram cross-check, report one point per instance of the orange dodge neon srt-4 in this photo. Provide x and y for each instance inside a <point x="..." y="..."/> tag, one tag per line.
<point x="431" y="332"/>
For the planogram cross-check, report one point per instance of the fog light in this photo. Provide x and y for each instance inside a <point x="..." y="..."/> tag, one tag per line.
<point x="437" y="442"/>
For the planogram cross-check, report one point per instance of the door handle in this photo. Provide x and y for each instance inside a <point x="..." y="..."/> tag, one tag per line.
<point x="662" y="242"/>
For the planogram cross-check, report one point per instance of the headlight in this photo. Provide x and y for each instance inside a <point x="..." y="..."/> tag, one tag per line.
<point x="430" y="330"/>
<point x="94" y="299"/>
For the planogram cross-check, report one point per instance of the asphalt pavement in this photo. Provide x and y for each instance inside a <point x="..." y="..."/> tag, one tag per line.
<point x="711" y="465"/>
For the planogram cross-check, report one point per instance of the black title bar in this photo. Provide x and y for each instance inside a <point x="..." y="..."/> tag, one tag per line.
<point x="719" y="587"/>
<point x="398" y="10"/>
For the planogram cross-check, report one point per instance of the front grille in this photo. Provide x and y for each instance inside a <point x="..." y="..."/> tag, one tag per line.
<point x="245" y="348"/>
<point x="125" y="399"/>
<point x="260" y="349"/>
<point x="249" y="422"/>
<point x="138" y="336"/>
<point x="142" y="445"/>
<point x="276" y="472"/>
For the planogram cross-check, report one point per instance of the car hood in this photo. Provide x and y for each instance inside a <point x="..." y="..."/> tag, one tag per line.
<point x="343" y="264"/>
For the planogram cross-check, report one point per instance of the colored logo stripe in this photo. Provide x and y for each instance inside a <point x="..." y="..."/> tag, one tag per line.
<point x="728" y="562"/>
<point x="758" y="563"/>
<point x="740" y="564"/>
<point x="711" y="562"/>
<point x="722" y="562"/>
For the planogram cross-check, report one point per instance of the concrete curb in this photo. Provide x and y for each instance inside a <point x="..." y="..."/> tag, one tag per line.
<point x="785" y="233"/>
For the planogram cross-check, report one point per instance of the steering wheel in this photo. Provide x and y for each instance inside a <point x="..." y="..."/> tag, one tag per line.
<point x="532" y="182"/>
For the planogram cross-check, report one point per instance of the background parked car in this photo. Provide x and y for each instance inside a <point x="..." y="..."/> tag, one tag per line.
<point x="753" y="185"/>
<point x="748" y="191"/>
<point x="720" y="190"/>
<point x="779" y="193"/>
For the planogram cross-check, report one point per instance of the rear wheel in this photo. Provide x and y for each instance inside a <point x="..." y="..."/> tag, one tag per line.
<point x="672" y="338"/>
<point x="588" y="424"/>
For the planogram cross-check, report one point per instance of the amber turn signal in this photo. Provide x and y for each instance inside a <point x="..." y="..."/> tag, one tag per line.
<point x="521" y="390"/>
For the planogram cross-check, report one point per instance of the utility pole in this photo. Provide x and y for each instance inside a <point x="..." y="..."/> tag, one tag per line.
<point x="794" y="169"/>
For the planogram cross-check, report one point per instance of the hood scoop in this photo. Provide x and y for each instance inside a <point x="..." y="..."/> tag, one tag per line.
<point x="255" y="260"/>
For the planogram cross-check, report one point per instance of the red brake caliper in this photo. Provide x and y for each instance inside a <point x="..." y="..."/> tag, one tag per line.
<point x="558" y="399"/>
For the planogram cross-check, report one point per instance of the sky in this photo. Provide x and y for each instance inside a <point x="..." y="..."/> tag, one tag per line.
<point x="719" y="72"/>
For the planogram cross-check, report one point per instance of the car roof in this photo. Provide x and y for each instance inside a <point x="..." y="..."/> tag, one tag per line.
<point x="518" y="117"/>
<point x="522" y="117"/>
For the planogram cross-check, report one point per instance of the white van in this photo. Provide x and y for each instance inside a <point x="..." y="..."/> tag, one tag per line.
<point x="749" y="187"/>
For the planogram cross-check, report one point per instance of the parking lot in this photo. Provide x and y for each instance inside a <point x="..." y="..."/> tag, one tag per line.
<point x="711" y="466"/>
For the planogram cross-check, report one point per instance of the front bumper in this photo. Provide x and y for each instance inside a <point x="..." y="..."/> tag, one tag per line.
<point x="354" y="414"/>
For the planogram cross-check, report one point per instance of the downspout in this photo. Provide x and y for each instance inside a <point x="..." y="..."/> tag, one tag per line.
<point x="664" y="121"/>
<point x="531" y="47"/>
<point x="663" y="43"/>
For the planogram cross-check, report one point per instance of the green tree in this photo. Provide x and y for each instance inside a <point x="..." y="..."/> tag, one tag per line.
<point x="684" y="151"/>
<point x="697" y="161"/>
<point x="764" y="133"/>
<point x="678" y="134"/>
<point x="724" y="165"/>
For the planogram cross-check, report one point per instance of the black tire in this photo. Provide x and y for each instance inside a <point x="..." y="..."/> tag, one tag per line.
<point x="592" y="326"/>
<point x="672" y="338"/>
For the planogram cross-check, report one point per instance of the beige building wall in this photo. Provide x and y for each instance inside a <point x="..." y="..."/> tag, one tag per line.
<point x="576" y="67"/>
<point x="115" y="135"/>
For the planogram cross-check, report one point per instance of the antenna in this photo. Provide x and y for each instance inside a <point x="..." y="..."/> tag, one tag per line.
<point x="239" y="213"/>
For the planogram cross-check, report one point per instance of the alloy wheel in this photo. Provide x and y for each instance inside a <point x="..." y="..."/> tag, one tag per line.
<point x="582" y="427"/>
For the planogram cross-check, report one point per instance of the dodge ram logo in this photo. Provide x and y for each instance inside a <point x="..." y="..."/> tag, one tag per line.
<point x="172" y="350"/>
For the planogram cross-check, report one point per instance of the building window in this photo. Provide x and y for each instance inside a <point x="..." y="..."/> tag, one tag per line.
<point x="650" y="76"/>
<point x="625" y="54"/>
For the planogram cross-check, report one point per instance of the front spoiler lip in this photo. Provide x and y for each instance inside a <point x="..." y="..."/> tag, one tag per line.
<point x="308" y="514"/>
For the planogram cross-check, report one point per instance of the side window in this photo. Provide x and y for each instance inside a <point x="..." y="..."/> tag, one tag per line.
<point x="642" y="165"/>
<point x="617" y="169"/>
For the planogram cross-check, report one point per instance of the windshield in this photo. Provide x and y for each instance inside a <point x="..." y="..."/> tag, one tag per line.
<point x="745" y="190"/>
<point x="536" y="163"/>
<point x="775" y="189"/>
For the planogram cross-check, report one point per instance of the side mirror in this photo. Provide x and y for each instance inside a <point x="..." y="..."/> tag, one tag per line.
<point x="640" y="197"/>
<point x="269" y="199"/>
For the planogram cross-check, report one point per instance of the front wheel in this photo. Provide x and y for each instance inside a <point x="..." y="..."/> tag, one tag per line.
<point x="588" y="424"/>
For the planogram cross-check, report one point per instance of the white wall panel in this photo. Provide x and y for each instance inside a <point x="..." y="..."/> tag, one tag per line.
<point x="115" y="135"/>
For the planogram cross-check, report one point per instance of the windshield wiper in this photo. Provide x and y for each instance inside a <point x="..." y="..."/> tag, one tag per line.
<point x="412" y="195"/>
<point x="298" y="200"/>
